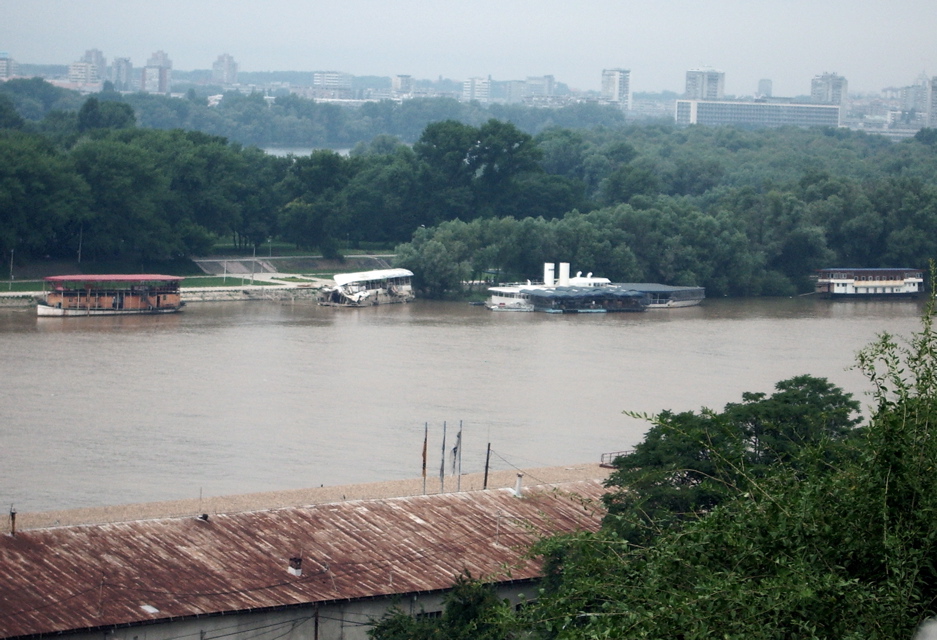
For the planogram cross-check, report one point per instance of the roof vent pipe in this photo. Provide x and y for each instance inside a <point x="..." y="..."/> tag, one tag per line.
<point x="296" y="567"/>
<point x="548" y="274"/>
<point x="518" y="492"/>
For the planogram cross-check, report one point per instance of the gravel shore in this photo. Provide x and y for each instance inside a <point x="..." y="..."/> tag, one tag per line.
<point x="301" y="497"/>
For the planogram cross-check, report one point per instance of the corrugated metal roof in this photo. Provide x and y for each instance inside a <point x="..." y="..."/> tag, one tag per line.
<point x="81" y="577"/>
<point x="115" y="277"/>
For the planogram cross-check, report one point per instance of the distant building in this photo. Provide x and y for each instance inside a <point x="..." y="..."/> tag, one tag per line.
<point x="122" y="74"/>
<point x="616" y="87"/>
<point x="764" y="88"/>
<point x="476" y="89"/>
<point x="157" y="74"/>
<point x="759" y="115"/>
<point x="334" y="80"/>
<point x="402" y="85"/>
<point x="96" y="57"/>
<point x="829" y="88"/>
<point x="705" y="84"/>
<point x="83" y="73"/>
<point x="510" y="91"/>
<point x="540" y="86"/>
<point x="224" y="70"/>
<point x="932" y="103"/>
<point x="7" y="66"/>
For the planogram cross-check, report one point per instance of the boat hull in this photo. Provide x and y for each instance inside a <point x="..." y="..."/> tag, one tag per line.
<point x="46" y="311"/>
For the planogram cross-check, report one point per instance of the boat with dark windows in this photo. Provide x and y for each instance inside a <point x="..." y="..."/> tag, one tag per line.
<point x="368" y="288"/>
<point x="665" y="296"/>
<point x="870" y="283"/>
<point x="589" y="294"/>
<point x="110" y="295"/>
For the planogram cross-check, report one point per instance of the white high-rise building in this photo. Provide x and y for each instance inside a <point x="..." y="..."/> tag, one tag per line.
<point x="122" y="74"/>
<point x="705" y="84"/>
<point x="7" y="65"/>
<point x="402" y="85"/>
<point x="157" y="74"/>
<point x="476" y="89"/>
<point x="96" y="58"/>
<point x="83" y="73"/>
<point x="616" y="87"/>
<point x="829" y="88"/>
<point x="932" y="102"/>
<point x="224" y="70"/>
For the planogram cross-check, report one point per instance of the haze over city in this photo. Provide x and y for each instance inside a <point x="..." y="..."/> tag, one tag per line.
<point x="875" y="44"/>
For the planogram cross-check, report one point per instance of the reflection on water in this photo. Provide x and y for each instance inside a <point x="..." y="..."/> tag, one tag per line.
<point x="255" y="396"/>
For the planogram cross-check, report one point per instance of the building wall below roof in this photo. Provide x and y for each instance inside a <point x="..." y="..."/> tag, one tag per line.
<point x="346" y="620"/>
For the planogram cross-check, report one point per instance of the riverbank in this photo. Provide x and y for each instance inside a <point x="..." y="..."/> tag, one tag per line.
<point x="301" y="497"/>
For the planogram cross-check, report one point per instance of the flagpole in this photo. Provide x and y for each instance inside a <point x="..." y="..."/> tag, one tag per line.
<point x="425" y="439"/>
<point x="442" y="463"/>
<point x="459" y="477"/>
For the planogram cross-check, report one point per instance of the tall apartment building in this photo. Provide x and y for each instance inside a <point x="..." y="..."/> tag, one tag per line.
<point x="402" y="85"/>
<point x="224" y="70"/>
<point x="705" y="84"/>
<point x="7" y="66"/>
<point x="540" y="86"/>
<point x="616" y="87"/>
<point x="932" y="102"/>
<point x="476" y="89"/>
<point x="122" y="74"/>
<point x="829" y="88"/>
<point x="96" y="57"/>
<point x="83" y="73"/>
<point x="157" y="74"/>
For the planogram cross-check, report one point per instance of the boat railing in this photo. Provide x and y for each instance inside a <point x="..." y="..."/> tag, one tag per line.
<point x="608" y="459"/>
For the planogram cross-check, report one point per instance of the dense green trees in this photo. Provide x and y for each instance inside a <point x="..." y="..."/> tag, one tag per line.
<point x="738" y="212"/>
<point x="820" y="543"/>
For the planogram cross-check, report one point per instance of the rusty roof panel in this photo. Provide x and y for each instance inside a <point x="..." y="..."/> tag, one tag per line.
<point x="89" y="576"/>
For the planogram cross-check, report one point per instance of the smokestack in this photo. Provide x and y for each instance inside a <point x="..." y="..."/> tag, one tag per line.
<point x="564" y="274"/>
<point x="12" y="521"/>
<point x="548" y="274"/>
<point x="296" y="567"/>
<point x="518" y="492"/>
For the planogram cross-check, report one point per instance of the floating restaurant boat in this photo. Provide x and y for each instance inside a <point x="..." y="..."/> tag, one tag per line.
<point x="589" y="294"/>
<point x="368" y="288"/>
<point x="665" y="296"/>
<point x="110" y="295"/>
<point x="869" y="283"/>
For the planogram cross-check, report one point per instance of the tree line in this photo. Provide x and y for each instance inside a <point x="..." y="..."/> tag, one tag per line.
<point x="738" y="212"/>
<point x="781" y="516"/>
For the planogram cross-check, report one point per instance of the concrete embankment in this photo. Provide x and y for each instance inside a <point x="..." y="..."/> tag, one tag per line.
<point x="317" y="495"/>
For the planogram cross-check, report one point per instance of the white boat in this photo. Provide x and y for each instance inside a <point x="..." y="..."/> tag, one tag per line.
<point x="869" y="283"/>
<point x="589" y="294"/>
<point x="517" y="297"/>
<point x="110" y="295"/>
<point x="368" y="288"/>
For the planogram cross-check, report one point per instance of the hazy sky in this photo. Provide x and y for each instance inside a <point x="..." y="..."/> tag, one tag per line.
<point x="873" y="43"/>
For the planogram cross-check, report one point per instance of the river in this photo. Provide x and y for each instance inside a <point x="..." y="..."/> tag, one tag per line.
<point x="240" y="397"/>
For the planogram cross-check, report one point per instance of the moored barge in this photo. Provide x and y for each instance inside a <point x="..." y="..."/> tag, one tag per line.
<point x="369" y="288"/>
<point x="110" y="295"/>
<point x="869" y="283"/>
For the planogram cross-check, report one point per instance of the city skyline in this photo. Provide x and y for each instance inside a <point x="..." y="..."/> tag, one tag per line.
<point x="873" y="44"/>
